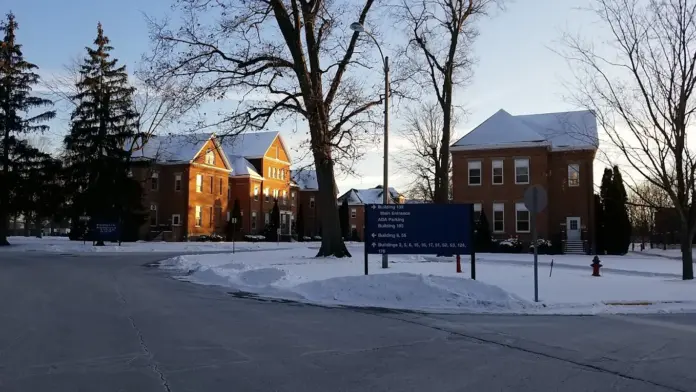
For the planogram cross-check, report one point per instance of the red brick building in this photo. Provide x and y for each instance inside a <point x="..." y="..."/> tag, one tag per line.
<point x="494" y="164"/>
<point x="357" y="198"/>
<point x="305" y="189"/>
<point x="192" y="182"/>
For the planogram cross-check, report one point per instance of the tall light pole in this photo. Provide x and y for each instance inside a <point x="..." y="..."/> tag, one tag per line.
<point x="386" y="195"/>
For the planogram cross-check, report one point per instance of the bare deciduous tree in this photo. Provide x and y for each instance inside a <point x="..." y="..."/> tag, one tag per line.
<point x="440" y="33"/>
<point x="423" y="132"/>
<point x="641" y="87"/>
<point x="644" y="200"/>
<point x="278" y="58"/>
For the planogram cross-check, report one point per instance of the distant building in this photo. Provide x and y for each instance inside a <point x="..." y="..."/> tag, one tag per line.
<point x="357" y="198"/>
<point x="304" y="182"/>
<point x="496" y="162"/>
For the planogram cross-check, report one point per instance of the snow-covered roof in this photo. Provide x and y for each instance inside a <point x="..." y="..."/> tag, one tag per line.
<point x="558" y="131"/>
<point x="305" y="179"/>
<point x="249" y="145"/>
<point x="242" y="167"/>
<point x="173" y="147"/>
<point x="367" y="196"/>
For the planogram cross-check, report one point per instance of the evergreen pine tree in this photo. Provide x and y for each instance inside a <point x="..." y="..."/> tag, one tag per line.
<point x="623" y="223"/>
<point x="609" y="218"/>
<point x="343" y="216"/>
<point x="299" y="223"/>
<point x="101" y="124"/>
<point x="599" y="225"/>
<point x="17" y="77"/>
<point x="483" y="241"/>
<point x="275" y="219"/>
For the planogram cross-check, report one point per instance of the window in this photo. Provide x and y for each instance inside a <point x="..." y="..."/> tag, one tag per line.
<point x="210" y="216"/>
<point x="521" y="218"/>
<point x="229" y="193"/>
<point x="154" y="181"/>
<point x="199" y="183"/>
<point x="275" y="173"/>
<point x="285" y="197"/>
<point x="573" y="174"/>
<point x="253" y="221"/>
<point x="177" y="182"/>
<point x="256" y="193"/>
<point x="311" y="202"/>
<point x="210" y="157"/>
<point x="270" y="172"/>
<point x="498" y="217"/>
<point x="292" y="196"/>
<point x="474" y="172"/>
<point x="228" y="216"/>
<point x="176" y="220"/>
<point x="220" y="187"/>
<point x="574" y="224"/>
<point x="477" y="212"/>
<point x="266" y="195"/>
<point x="211" y="184"/>
<point x="522" y="171"/>
<point x="276" y="193"/>
<point x="352" y="227"/>
<point x="353" y="213"/>
<point x="153" y="214"/>
<point x="497" y="171"/>
<point x="282" y="174"/>
<point x="267" y="218"/>
<point x="199" y="219"/>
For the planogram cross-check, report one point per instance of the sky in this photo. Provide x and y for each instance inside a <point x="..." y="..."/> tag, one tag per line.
<point x="517" y="70"/>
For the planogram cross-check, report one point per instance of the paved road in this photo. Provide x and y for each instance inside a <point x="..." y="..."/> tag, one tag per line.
<point x="106" y="323"/>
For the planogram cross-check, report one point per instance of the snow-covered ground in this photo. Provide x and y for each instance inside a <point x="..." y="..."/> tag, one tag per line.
<point x="64" y="245"/>
<point x="504" y="281"/>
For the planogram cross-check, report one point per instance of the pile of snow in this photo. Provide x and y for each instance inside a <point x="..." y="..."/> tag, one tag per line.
<point x="429" y="283"/>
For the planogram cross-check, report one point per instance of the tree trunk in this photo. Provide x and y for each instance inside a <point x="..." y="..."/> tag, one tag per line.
<point x="331" y="240"/>
<point x="687" y="257"/>
<point x="4" y="193"/>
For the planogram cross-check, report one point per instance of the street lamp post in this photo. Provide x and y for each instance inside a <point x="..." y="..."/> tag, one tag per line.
<point x="386" y="196"/>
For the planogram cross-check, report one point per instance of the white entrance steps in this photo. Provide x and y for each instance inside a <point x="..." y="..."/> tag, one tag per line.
<point x="574" y="247"/>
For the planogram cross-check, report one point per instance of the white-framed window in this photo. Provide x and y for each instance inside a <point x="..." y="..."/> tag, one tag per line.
<point x="292" y="197"/>
<point x="522" y="171"/>
<point x="353" y="213"/>
<point x="256" y="193"/>
<point x="266" y="194"/>
<point x="522" y="224"/>
<point x="497" y="166"/>
<point x="267" y="218"/>
<point x="311" y="202"/>
<point x="474" y="172"/>
<point x="282" y="174"/>
<point x="177" y="182"/>
<point x="270" y="172"/>
<point x="253" y="221"/>
<point x="176" y="220"/>
<point x="212" y="184"/>
<point x="154" y="181"/>
<point x="285" y="197"/>
<point x="477" y="212"/>
<point x="210" y="157"/>
<point x="153" y="214"/>
<point x="199" y="216"/>
<point x="229" y="215"/>
<point x="275" y="194"/>
<point x="574" y="174"/>
<point x="498" y="217"/>
<point x="199" y="183"/>
<point x="353" y="227"/>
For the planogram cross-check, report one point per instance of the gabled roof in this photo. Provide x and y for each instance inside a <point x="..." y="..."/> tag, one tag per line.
<point x="366" y="196"/>
<point x="557" y="131"/>
<point x="174" y="148"/>
<point x="305" y="179"/>
<point x="242" y="167"/>
<point x="250" y="145"/>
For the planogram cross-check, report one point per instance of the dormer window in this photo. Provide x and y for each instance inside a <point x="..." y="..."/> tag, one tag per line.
<point x="210" y="157"/>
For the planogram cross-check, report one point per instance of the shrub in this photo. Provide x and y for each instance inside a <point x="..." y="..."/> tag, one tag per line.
<point x="510" y="245"/>
<point x="317" y="238"/>
<point x="544" y="246"/>
<point x="306" y="238"/>
<point x="254" y="237"/>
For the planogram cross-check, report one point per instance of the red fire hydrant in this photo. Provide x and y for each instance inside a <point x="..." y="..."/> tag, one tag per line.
<point x="595" y="266"/>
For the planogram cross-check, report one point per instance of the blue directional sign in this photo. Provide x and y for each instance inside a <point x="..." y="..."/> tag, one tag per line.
<point x="419" y="229"/>
<point x="105" y="231"/>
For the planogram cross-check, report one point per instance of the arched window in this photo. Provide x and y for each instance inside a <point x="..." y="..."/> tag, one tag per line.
<point x="210" y="157"/>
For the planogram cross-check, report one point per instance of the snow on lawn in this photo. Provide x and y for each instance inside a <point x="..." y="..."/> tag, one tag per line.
<point x="504" y="285"/>
<point x="64" y="245"/>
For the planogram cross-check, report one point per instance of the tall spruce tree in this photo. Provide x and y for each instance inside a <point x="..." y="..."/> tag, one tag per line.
<point x="623" y="223"/>
<point x="606" y="193"/>
<point x="483" y="240"/>
<point x="600" y="233"/>
<point x="300" y="223"/>
<point x="17" y="110"/>
<point x="103" y="121"/>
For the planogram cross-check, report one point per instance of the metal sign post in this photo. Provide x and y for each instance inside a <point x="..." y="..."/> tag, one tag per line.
<point x="234" y="233"/>
<point x="535" y="200"/>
